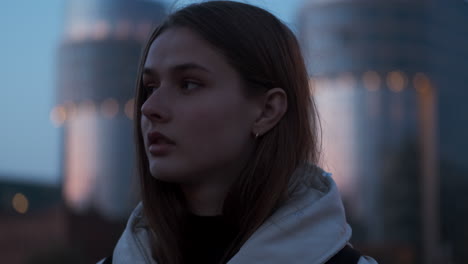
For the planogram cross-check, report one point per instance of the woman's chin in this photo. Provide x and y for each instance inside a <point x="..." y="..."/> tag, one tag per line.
<point x="168" y="175"/>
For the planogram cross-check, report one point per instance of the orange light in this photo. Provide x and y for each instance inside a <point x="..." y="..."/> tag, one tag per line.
<point x="109" y="108"/>
<point x="20" y="203"/>
<point x="396" y="81"/>
<point x="129" y="108"/>
<point x="421" y="83"/>
<point x="58" y="115"/>
<point x="371" y="80"/>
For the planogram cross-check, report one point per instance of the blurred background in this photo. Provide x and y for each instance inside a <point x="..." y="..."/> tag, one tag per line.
<point x="389" y="77"/>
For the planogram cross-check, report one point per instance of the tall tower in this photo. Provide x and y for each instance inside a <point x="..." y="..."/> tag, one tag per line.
<point x="373" y="78"/>
<point x="98" y="60"/>
<point x="449" y="54"/>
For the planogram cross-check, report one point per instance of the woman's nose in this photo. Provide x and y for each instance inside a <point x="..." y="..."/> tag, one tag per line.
<point x="155" y="107"/>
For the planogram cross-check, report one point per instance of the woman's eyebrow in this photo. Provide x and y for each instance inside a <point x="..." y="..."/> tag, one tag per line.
<point x="188" y="66"/>
<point x="178" y="68"/>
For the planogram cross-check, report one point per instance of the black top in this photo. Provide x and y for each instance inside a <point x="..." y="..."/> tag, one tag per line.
<point x="346" y="255"/>
<point x="206" y="239"/>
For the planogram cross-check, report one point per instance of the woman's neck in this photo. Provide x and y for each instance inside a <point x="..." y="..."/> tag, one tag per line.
<point x="205" y="199"/>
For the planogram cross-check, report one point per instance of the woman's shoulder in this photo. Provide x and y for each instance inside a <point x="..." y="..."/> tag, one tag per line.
<point x="134" y="243"/>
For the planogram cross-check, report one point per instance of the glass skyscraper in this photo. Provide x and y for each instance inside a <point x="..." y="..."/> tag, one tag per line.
<point x="97" y="65"/>
<point x="387" y="76"/>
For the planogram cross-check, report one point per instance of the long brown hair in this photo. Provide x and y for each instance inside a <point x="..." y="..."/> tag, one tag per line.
<point x="267" y="55"/>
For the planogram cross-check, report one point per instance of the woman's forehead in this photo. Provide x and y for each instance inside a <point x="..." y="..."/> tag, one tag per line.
<point x="182" y="46"/>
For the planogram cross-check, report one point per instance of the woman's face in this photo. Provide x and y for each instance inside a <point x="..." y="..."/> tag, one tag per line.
<point x="197" y="120"/>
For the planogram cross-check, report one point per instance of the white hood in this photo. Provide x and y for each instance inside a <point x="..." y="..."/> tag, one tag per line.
<point x="309" y="228"/>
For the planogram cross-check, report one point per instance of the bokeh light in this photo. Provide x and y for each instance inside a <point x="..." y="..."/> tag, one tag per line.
<point x="129" y="108"/>
<point x="20" y="203"/>
<point x="371" y="80"/>
<point x="109" y="108"/>
<point x="58" y="115"/>
<point x="421" y="83"/>
<point x="396" y="81"/>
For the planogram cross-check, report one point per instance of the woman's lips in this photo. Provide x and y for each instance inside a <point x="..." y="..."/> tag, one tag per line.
<point x="159" y="144"/>
<point x="160" y="148"/>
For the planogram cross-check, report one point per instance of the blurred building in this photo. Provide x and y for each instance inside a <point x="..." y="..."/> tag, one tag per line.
<point x="387" y="76"/>
<point x="30" y="220"/>
<point x="36" y="227"/>
<point x="97" y="65"/>
<point x="449" y="37"/>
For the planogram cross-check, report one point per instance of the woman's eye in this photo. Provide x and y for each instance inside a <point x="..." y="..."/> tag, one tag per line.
<point x="149" y="88"/>
<point x="190" y="85"/>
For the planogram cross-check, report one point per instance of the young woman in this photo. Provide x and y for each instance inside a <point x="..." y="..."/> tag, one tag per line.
<point x="227" y="147"/>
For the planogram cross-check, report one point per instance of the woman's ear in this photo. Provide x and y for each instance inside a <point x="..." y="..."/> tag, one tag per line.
<point x="275" y="104"/>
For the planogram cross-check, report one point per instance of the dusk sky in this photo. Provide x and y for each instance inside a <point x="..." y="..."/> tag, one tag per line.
<point x="31" y="31"/>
